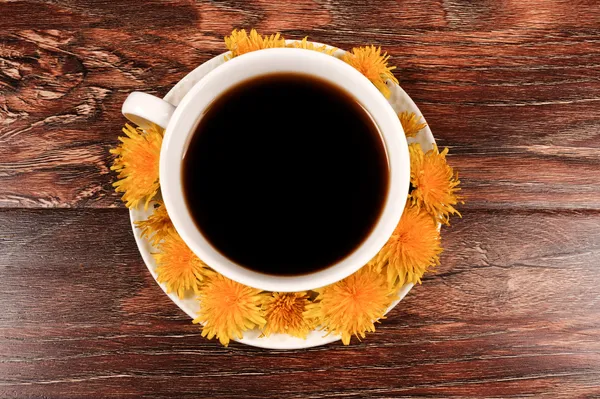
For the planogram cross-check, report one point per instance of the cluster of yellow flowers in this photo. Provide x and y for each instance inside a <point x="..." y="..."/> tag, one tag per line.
<point x="348" y="307"/>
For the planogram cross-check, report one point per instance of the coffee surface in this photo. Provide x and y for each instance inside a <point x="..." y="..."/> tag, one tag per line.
<point x="285" y="174"/>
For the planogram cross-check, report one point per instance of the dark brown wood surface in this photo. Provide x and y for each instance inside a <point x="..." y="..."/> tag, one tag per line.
<point x="511" y="86"/>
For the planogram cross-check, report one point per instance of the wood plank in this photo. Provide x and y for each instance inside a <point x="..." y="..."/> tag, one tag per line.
<point x="513" y="311"/>
<point x="510" y="83"/>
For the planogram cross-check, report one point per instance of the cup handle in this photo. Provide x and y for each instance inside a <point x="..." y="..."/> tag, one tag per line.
<point x="146" y="110"/>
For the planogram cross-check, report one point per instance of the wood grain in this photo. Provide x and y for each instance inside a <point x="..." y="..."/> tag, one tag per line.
<point x="500" y="82"/>
<point x="511" y="86"/>
<point x="512" y="311"/>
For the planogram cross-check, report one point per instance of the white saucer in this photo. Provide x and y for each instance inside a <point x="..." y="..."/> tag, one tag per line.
<point x="399" y="100"/>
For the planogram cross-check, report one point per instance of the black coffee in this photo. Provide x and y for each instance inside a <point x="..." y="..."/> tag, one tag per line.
<point x="285" y="174"/>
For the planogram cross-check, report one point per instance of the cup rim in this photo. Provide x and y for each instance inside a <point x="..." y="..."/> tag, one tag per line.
<point x="188" y="114"/>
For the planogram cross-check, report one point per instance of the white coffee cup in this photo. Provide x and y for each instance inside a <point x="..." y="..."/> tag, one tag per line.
<point x="180" y="122"/>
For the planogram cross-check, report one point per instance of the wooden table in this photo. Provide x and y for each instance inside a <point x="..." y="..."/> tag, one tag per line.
<point x="511" y="86"/>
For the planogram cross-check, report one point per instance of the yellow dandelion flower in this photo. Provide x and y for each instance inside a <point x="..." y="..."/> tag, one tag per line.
<point x="239" y="42"/>
<point x="435" y="184"/>
<point x="352" y="305"/>
<point x="157" y="226"/>
<point x="370" y="62"/>
<point x="178" y="267"/>
<point x="411" y="123"/>
<point x="284" y="314"/>
<point x="227" y="309"/>
<point x="137" y="165"/>
<point x="305" y="44"/>
<point x="413" y="247"/>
